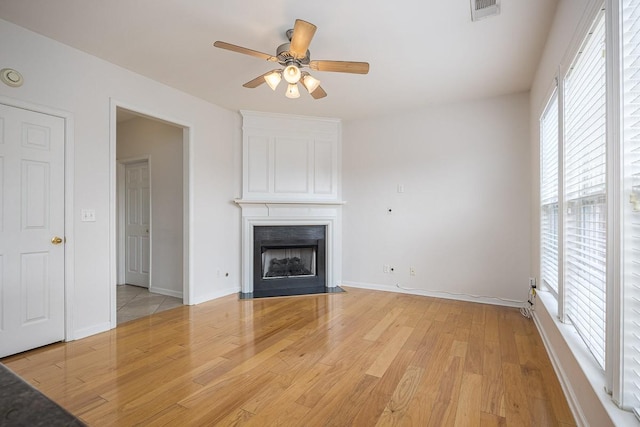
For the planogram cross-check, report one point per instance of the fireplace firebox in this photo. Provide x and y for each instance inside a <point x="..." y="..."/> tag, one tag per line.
<point x="289" y="260"/>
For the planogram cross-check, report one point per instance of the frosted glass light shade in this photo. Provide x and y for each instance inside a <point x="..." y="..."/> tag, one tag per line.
<point x="292" y="91"/>
<point x="310" y="82"/>
<point x="273" y="79"/>
<point x="291" y="74"/>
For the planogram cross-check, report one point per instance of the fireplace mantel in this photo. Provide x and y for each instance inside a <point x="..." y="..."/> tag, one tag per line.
<point x="249" y="202"/>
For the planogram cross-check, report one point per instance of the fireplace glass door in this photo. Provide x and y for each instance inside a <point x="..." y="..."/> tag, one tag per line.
<point x="289" y="262"/>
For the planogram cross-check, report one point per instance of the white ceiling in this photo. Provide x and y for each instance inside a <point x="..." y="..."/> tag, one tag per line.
<point x="421" y="52"/>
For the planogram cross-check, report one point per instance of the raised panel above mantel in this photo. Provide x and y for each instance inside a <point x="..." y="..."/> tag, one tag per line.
<point x="290" y="158"/>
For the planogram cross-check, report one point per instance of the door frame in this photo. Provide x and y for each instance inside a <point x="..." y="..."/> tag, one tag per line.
<point x="187" y="198"/>
<point x="121" y="202"/>
<point x="69" y="247"/>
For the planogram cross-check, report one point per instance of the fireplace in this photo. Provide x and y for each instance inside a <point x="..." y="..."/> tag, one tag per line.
<point x="289" y="260"/>
<point x="300" y="237"/>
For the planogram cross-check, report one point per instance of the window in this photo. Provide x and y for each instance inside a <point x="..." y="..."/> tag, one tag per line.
<point x="630" y="393"/>
<point x="549" y="195"/>
<point x="596" y="288"/>
<point x="585" y="192"/>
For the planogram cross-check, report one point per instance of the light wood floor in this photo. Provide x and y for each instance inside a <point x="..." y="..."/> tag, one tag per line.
<point x="360" y="358"/>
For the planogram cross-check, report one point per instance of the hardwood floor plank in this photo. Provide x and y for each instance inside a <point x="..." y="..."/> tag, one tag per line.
<point x="370" y="411"/>
<point x="416" y="338"/>
<point x="383" y="324"/>
<point x="401" y="397"/>
<point x="240" y="417"/>
<point x="339" y="408"/>
<point x="516" y="402"/>
<point x="492" y="382"/>
<point x="468" y="413"/>
<point x="491" y="329"/>
<point x="475" y="349"/>
<point x="491" y="420"/>
<point x="508" y="349"/>
<point x="359" y="358"/>
<point x="446" y="401"/>
<point x="281" y="404"/>
<point x="209" y="406"/>
<point x="339" y="370"/>
<point x="389" y="352"/>
<point x="479" y="313"/>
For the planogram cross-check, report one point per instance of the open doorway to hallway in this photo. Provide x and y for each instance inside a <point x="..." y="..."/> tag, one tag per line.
<point x="150" y="214"/>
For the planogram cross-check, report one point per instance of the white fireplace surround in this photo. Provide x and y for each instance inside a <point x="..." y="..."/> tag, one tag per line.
<point x="265" y="213"/>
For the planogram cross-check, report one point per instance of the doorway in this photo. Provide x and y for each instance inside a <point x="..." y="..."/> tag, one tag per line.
<point x="152" y="211"/>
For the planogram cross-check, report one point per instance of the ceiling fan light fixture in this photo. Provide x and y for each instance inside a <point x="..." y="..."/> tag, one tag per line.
<point x="310" y="83"/>
<point x="292" y="91"/>
<point x="295" y="55"/>
<point x="292" y="74"/>
<point x="273" y="79"/>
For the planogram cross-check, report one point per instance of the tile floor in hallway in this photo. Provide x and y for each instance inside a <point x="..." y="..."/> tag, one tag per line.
<point x="135" y="302"/>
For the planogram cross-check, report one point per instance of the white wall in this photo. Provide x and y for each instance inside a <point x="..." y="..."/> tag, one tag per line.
<point x="463" y="219"/>
<point x="60" y="77"/>
<point x="582" y="380"/>
<point x="163" y="144"/>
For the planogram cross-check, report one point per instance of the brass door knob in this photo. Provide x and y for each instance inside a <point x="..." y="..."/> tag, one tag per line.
<point x="56" y="240"/>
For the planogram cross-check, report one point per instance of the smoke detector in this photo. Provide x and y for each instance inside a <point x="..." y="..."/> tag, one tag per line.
<point x="11" y="77"/>
<point x="481" y="9"/>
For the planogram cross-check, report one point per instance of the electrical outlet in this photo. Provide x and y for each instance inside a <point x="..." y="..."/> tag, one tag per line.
<point x="532" y="282"/>
<point x="412" y="271"/>
<point x="386" y="268"/>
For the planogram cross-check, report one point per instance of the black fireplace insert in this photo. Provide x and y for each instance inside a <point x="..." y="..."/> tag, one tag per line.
<point x="289" y="260"/>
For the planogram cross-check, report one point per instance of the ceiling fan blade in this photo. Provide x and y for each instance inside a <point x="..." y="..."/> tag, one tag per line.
<point x="240" y="49"/>
<point x="303" y="32"/>
<point x="340" y="66"/>
<point x="318" y="93"/>
<point x="257" y="81"/>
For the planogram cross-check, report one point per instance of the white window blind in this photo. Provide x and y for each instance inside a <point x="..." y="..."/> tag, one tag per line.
<point x="585" y="193"/>
<point x="549" y="195"/>
<point x="630" y="393"/>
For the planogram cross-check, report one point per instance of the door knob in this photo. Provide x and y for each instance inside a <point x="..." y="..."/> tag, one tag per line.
<point x="56" y="240"/>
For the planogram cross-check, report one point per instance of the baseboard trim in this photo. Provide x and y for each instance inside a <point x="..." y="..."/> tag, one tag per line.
<point x="435" y="294"/>
<point x="166" y="292"/>
<point x="92" y="330"/>
<point x="217" y="294"/>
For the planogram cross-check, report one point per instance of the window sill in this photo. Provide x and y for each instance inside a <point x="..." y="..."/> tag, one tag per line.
<point x="585" y="362"/>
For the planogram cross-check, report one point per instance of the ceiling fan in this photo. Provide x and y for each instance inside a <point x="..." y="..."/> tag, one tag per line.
<point x="294" y="56"/>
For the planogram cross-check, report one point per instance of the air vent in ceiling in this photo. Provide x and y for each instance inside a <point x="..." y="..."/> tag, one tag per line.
<point x="481" y="9"/>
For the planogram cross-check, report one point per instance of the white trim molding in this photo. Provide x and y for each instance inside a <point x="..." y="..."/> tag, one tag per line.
<point x="188" y="138"/>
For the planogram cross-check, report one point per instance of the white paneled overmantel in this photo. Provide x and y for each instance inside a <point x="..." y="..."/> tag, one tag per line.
<point x="290" y="158"/>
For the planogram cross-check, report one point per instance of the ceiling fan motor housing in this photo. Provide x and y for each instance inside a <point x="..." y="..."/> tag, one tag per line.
<point x="284" y="56"/>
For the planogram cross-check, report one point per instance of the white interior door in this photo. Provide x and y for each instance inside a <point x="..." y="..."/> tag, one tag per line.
<point x="31" y="230"/>
<point x="137" y="257"/>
